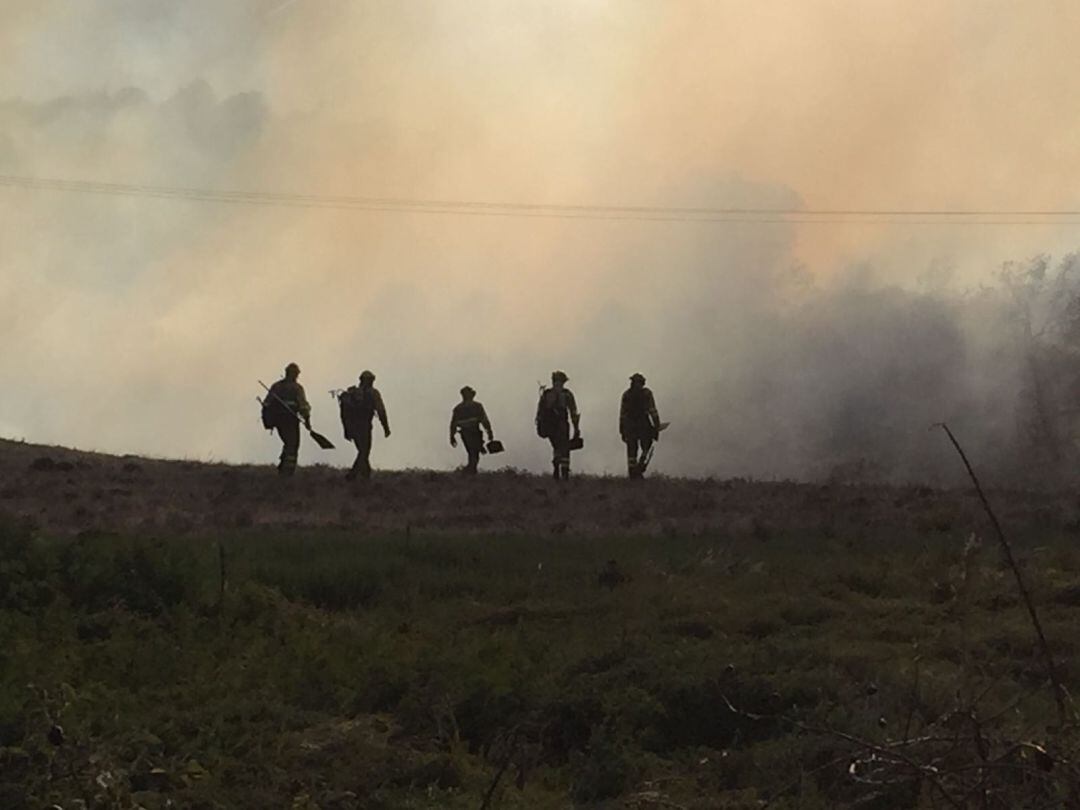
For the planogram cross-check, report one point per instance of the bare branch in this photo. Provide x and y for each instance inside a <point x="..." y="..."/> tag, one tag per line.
<point x="1059" y="694"/>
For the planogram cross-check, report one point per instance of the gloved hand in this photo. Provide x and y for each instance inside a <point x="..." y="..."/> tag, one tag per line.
<point x="577" y="432"/>
<point x="453" y="442"/>
<point x="386" y="432"/>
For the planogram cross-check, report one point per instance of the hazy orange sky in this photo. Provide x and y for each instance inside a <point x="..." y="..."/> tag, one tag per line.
<point x="140" y="325"/>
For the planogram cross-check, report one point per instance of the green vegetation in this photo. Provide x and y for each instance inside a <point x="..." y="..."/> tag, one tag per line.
<point x="431" y="671"/>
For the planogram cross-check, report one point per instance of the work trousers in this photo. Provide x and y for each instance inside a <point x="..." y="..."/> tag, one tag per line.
<point x="634" y="461"/>
<point x="560" y="451"/>
<point x="474" y="447"/>
<point x="289" y="432"/>
<point x="361" y="437"/>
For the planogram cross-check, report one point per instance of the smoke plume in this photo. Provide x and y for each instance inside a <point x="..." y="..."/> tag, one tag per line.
<point x="140" y="325"/>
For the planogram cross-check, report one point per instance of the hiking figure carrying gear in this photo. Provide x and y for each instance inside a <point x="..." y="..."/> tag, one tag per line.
<point x="468" y="418"/>
<point x="359" y="405"/>
<point x="555" y="412"/>
<point x="639" y="425"/>
<point x="284" y="403"/>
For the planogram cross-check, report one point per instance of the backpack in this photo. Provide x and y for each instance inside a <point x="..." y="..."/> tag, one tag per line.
<point x="550" y="412"/>
<point x="637" y="405"/>
<point x="356" y="406"/>
<point x="272" y="411"/>
<point x="268" y="420"/>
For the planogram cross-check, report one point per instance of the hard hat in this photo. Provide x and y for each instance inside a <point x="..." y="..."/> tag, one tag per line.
<point x="468" y="391"/>
<point x="292" y="368"/>
<point x="366" y="375"/>
<point x="637" y="377"/>
<point x="559" y="376"/>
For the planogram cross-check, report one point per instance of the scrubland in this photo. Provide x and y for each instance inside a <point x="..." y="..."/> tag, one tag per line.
<point x="203" y="636"/>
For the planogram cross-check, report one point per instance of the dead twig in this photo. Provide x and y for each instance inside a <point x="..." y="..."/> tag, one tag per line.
<point x="223" y="576"/>
<point x="504" y="765"/>
<point x="1059" y="693"/>
<point x="927" y="772"/>
<point x="914" y="699"/>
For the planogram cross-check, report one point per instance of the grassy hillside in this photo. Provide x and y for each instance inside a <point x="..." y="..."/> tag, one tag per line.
<point x="508" y="643"/>
<point x="62" y="491"/>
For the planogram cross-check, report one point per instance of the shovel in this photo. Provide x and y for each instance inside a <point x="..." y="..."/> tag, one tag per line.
<point x="652" y="448"/>
<point x="644" y="465"/>
<point x="320" y="440"/>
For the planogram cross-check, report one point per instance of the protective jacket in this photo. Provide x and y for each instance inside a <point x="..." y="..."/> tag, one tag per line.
<point x="469" y="417"/>
<point x="638" y="417"/>
<point x="291" y="393"/>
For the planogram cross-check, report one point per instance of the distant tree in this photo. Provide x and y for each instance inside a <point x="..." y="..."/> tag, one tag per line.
<point x="1045" y="311"/>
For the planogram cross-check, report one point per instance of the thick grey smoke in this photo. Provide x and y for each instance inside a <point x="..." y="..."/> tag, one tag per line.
<point x="140" y="325"/>
<point x="130" y="340"/>
<point x="839" y="381"/>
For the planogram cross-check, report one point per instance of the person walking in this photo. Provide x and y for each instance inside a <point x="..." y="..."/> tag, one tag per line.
<point x="359" y="405"/>
<point x="285" y="406"/>
<point x="468" y="419"/>
<point x="556" y="412"/>
<point x="639" y="425"/>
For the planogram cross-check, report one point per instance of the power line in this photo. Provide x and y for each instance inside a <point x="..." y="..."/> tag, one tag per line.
<point x="735" y="215"/>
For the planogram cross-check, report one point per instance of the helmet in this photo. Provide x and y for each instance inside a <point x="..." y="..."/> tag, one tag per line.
<point x="468" y="391"/>
<point x="366" y="375"/>
<point x="292" y="370"/>
<point x="559" y="376"/>
<point x="636" y="377"/>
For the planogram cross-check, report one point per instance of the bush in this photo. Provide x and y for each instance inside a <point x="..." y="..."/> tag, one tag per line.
<point x="25" y="565"/>
<point x="606" y="770"/>
<point x="99" y="571"/>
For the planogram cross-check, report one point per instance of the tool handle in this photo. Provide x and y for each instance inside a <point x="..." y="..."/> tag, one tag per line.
<point x="284" y="404"/>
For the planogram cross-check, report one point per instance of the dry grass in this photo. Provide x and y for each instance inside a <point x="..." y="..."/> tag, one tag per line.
<point x="403" y="643"/>
<point x="62" y="491"/>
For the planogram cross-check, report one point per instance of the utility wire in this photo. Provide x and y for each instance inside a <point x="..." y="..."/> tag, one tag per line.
<point x="748" y="215"/>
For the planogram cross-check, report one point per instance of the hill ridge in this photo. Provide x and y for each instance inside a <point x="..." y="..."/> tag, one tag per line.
<point x="61" y="490"/>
